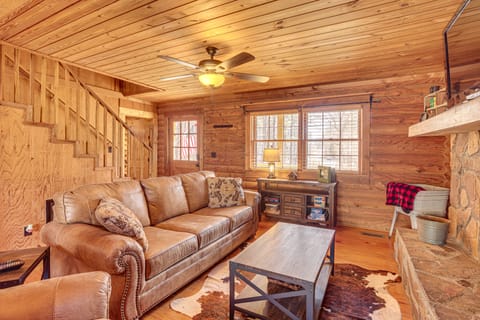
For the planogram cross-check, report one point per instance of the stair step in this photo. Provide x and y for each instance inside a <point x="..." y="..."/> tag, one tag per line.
<point x="85" y="155"/>
<point x="56" y="140"/>
<point x="39" y="124"/>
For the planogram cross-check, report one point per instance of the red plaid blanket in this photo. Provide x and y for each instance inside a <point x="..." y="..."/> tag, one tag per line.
<point x="402" y="195"/>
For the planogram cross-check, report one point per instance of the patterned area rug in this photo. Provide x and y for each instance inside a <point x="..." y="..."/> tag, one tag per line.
<point x="352" y="293"/>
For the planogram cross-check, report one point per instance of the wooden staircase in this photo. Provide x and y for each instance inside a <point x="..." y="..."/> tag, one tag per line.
<point x="54" y="96"/>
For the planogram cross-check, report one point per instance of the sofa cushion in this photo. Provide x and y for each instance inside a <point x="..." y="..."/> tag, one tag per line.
<point x="79" y="204"/>
<point x="117" y="218"/>
<point x="225" y="192"/>
<point x="196" y="190"/>
<point x="238" y="215"/>
<point x="166" y="248"/>
<point x="206" y="228"/>
<point x="166" y="198"/>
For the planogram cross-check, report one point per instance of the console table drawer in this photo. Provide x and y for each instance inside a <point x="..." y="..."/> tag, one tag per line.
<point x="292" y="211"/>
<point x="293" y="199"/>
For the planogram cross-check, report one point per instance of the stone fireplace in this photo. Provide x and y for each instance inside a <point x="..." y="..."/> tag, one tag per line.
<point x="464" y="210"/>
<point x="443" y="282"/>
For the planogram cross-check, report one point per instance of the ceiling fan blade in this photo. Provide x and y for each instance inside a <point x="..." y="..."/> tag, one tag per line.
<point x="183" y="63"/>
<point x="241" y="58"/>
<point x="248" y="76"/>
<point x="177" y="77"/>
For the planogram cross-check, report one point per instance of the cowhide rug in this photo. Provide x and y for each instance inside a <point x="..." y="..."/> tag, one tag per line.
<point x="352" y="293"/>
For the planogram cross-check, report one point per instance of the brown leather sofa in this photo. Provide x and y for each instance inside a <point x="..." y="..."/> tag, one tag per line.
<point x="74" y="297"/>
<point x="185" y="237"/>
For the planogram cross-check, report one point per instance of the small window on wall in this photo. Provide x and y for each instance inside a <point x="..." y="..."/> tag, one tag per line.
<point x="185" y="140"/>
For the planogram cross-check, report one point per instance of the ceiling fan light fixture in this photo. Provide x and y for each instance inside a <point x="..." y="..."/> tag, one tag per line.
<point x="212" y="79"/>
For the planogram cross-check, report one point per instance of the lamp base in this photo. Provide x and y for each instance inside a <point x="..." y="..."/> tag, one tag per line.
<point x="271" y="170"/>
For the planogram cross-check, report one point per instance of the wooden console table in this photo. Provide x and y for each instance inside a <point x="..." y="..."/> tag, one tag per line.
<point x="301" y="201"/>
<point x="32" y="258"/>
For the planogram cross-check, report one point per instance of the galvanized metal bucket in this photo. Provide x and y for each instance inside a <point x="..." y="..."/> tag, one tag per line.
<point x="432" y="229"/>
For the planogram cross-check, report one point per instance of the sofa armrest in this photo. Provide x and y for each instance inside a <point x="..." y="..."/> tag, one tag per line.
<point x="94" y="246"/>
<point x="252" y="199"/>
<point x="78" y="296"/>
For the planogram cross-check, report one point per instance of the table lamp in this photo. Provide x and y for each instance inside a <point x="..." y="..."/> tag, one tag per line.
<point x="271" y="155"/>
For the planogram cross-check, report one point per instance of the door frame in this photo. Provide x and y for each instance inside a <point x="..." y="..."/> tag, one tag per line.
<point x="182" y="117"/>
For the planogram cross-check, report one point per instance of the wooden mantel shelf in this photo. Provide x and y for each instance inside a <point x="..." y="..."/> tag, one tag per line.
<point x="461" y="118"/>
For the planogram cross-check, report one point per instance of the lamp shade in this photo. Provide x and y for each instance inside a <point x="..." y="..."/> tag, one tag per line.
<point x="213" y="80"/>
<point x="271" y="155"/>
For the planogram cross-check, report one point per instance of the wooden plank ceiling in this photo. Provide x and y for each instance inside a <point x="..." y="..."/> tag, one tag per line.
<point x="295" y="42"/>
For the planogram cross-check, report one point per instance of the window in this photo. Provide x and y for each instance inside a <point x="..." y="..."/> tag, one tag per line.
<point x="185" y="140"/>
<point x="332" y="136"/>
<point x="277" y="131"/>
<point x="333" y="139"/>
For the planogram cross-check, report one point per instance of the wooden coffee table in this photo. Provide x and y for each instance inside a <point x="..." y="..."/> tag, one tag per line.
<point x="299" y="258"/>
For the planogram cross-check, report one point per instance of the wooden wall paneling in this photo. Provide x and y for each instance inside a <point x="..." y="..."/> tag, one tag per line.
<point x="32" y="169"/>
<point x="392" y="155"/>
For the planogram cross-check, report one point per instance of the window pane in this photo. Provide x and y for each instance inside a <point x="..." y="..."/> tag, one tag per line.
<point x="349" y="163"/>
<point x="331" y="161"/>
<point x="192" y="154"/>
<point x="289" y="155"/>
<point x="176" y="153"/>
<point x="184" y="141"/>
<point x="192" y="127"/>
<point x="331" y="148"/>
<point x="350" y="129"/>
<point x="349" y="148"/>
<point x="314" y="125"/>
<point x="176" y="127"/>
<point x="331" y="123"/>
<point x="176" y="141"/>
<point x="184" y="126"/>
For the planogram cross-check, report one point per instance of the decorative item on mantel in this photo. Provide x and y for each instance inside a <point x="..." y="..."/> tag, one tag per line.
<point x="434" y="103"/>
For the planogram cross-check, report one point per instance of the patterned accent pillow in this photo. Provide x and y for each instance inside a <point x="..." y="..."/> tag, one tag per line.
<point x="117" y="218"/>
<point x="225" y="192"/>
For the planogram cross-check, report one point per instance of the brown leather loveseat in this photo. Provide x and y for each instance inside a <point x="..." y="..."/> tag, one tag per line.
<point x="185" y="236"/>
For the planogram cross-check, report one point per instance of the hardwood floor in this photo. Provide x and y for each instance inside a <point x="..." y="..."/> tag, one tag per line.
<point x="368" y="249"/>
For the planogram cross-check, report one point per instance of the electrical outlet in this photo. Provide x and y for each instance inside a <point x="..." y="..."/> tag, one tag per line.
<point x="28" y="230"/>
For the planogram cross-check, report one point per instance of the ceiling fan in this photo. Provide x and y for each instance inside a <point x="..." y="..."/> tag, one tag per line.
<point x="212" y="72"/>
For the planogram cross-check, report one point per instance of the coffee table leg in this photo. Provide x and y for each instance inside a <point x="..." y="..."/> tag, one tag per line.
<point x="332" y="254"/>
<point x="232" y="290"/>
<point x="310" y="303"/>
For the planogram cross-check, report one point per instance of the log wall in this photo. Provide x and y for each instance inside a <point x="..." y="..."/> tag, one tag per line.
<point x="393" y="156"/>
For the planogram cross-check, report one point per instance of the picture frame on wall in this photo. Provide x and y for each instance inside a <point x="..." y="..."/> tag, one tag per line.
<point x="324" y="174"/>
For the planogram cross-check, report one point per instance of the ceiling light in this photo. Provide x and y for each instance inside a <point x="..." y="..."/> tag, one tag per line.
<point x="212" y="80"/>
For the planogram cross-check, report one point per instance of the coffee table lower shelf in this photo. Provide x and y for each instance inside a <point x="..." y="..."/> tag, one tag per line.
<point x="260" y="304"/>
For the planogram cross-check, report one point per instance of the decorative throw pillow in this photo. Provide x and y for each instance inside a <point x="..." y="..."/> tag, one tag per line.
<point x="225" y="192"/>
<point x="117" y="218"/>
